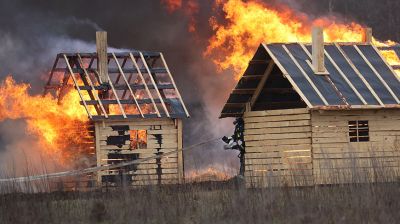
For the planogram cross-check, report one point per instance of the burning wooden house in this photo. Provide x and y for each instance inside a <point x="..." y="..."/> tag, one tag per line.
<point x="320" y="113"/>
<point x="134" y="106"/>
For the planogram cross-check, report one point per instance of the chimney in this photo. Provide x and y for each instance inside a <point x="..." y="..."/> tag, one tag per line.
<point x="318" y="50"/>
<point x="102" y="58"/>
<point x="367" y="35"/>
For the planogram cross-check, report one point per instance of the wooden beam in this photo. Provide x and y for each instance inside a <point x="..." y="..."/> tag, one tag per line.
<point x="154" y="83"/>
<point x="378" y="75"/>
<point x="173" y="83"/>
<point x="243" y="91"/>
<point x="116" y="97"/>
<point x="102" y="57"/>
<point x="98" y="151"/>
<point x="252" y="76"/>
<point x="262" y="82"/>
<point x="145" y="84"/>
<point x="96" y="96"/>
<point x="50" y="76"/>
<point x="181" y="171"/>
<point x="305" y="75"/>
<point x="392" y="68"/>
<point x="77" y="86"/>
<point x="318" y="50"/>
<point x="367" y="35"/>
<point x="346" y="79"/>
<point x="127" y="84"/>
<point x="359" y="75"/>
<point x="328" y="78"/>
<point x="287" y="76"/>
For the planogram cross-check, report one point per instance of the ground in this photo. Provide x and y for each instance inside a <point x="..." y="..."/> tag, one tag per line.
<point x="209" y="203"/>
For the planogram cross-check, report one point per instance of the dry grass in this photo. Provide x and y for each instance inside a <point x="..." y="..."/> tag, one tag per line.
<point x="217" y="202"/>
<point x="209" y="203"/>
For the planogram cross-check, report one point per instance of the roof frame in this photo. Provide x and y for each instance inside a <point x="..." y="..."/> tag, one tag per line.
<point x="85" y="78"/>
<point x="305" y="75"/>
<point x="286" y="75"/>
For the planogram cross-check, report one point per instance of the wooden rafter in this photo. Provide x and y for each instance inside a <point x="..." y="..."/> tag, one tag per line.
<point x="145" y="84"/>
<point x="345" y="78"/>
<point x="378" y="75"/>
<point x="360" y="75"/>
<point x="173" y="83"/>
<point x="305" y="75"/>
<point x="77" y="86"/>
<point x="262" y="82"/>
<point x="154" y="83"/>
<point x="287" y="76"/>
<point x="92" y="86"/>
<point x="127" y="84"/>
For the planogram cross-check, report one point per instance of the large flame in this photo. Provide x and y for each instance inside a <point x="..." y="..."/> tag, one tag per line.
<point x="252" y="22"/>
<point x="246" y="24"/>
<point x="59" y="127"/>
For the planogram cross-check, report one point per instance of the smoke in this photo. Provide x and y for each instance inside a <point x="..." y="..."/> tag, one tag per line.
<point x="33" y="32"/>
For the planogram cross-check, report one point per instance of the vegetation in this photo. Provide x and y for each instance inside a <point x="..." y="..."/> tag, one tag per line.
<point x="223" y="202"/>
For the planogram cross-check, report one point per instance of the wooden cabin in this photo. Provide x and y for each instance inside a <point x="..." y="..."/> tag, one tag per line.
<point x="318" y="113"/>
<point x="135" y="107"/>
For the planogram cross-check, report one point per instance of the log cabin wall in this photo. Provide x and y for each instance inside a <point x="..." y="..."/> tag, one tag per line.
<point x="278" y="148"/>
<point x="355" y="145"/>
<point x="122" y="141"/>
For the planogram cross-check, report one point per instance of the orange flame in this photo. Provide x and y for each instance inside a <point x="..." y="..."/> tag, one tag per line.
<point x="189" y="7"/>
<point x="172" y="5"/>
<point x="58" y="127"/>
<point x="207" y="174"/>
<point x="246" y="24"/>
<point x="252" y="22"/>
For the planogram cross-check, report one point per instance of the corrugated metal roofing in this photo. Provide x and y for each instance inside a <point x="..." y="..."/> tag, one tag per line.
<point x="357" y="77"/>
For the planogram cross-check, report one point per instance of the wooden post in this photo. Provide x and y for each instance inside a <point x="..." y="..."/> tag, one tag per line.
<point x="318" y="50"/>
<point x="98" y="151"/>
<point x="181" y="171"/>
<point x="367" y="35"/>
<point x="102" y="58"/>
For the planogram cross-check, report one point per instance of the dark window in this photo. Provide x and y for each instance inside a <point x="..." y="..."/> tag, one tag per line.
<point x="138" y="139"/>
<point x="358" y="131"/>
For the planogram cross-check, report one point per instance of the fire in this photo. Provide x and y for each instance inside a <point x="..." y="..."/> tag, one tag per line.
<point x="246" y="24"/>
<point x="208" y="174"/>
<point x="252" y="22"/>
<point x="189" y="7"/>
<point x="392" y="59"/>
<point x="172" y="5"/>
<point x="58" y="127"/>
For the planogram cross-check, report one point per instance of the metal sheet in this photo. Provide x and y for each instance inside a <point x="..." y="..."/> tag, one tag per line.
<point x="320" y="81"/>
<point x="295" y="74"/>
<point x="341" y="61"/>
<point x="369" y="75"/>
<point x="381" y="67"/>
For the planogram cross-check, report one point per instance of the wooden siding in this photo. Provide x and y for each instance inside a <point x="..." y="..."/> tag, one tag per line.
<point x="162" y="136"/>
<point x="337" y="160"/>
<point x="278" y="148"/>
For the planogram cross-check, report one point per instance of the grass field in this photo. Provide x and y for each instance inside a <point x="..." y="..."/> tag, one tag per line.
<point x="222" y="202"/>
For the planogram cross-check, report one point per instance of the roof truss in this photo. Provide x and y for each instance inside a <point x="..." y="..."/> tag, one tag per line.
<point x="140" y="85"/>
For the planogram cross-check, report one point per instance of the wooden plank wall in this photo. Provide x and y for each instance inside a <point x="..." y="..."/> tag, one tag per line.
<point x="162" y="137"/>
<point x="337" y="160"/>
<point x="278" y="148"/>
